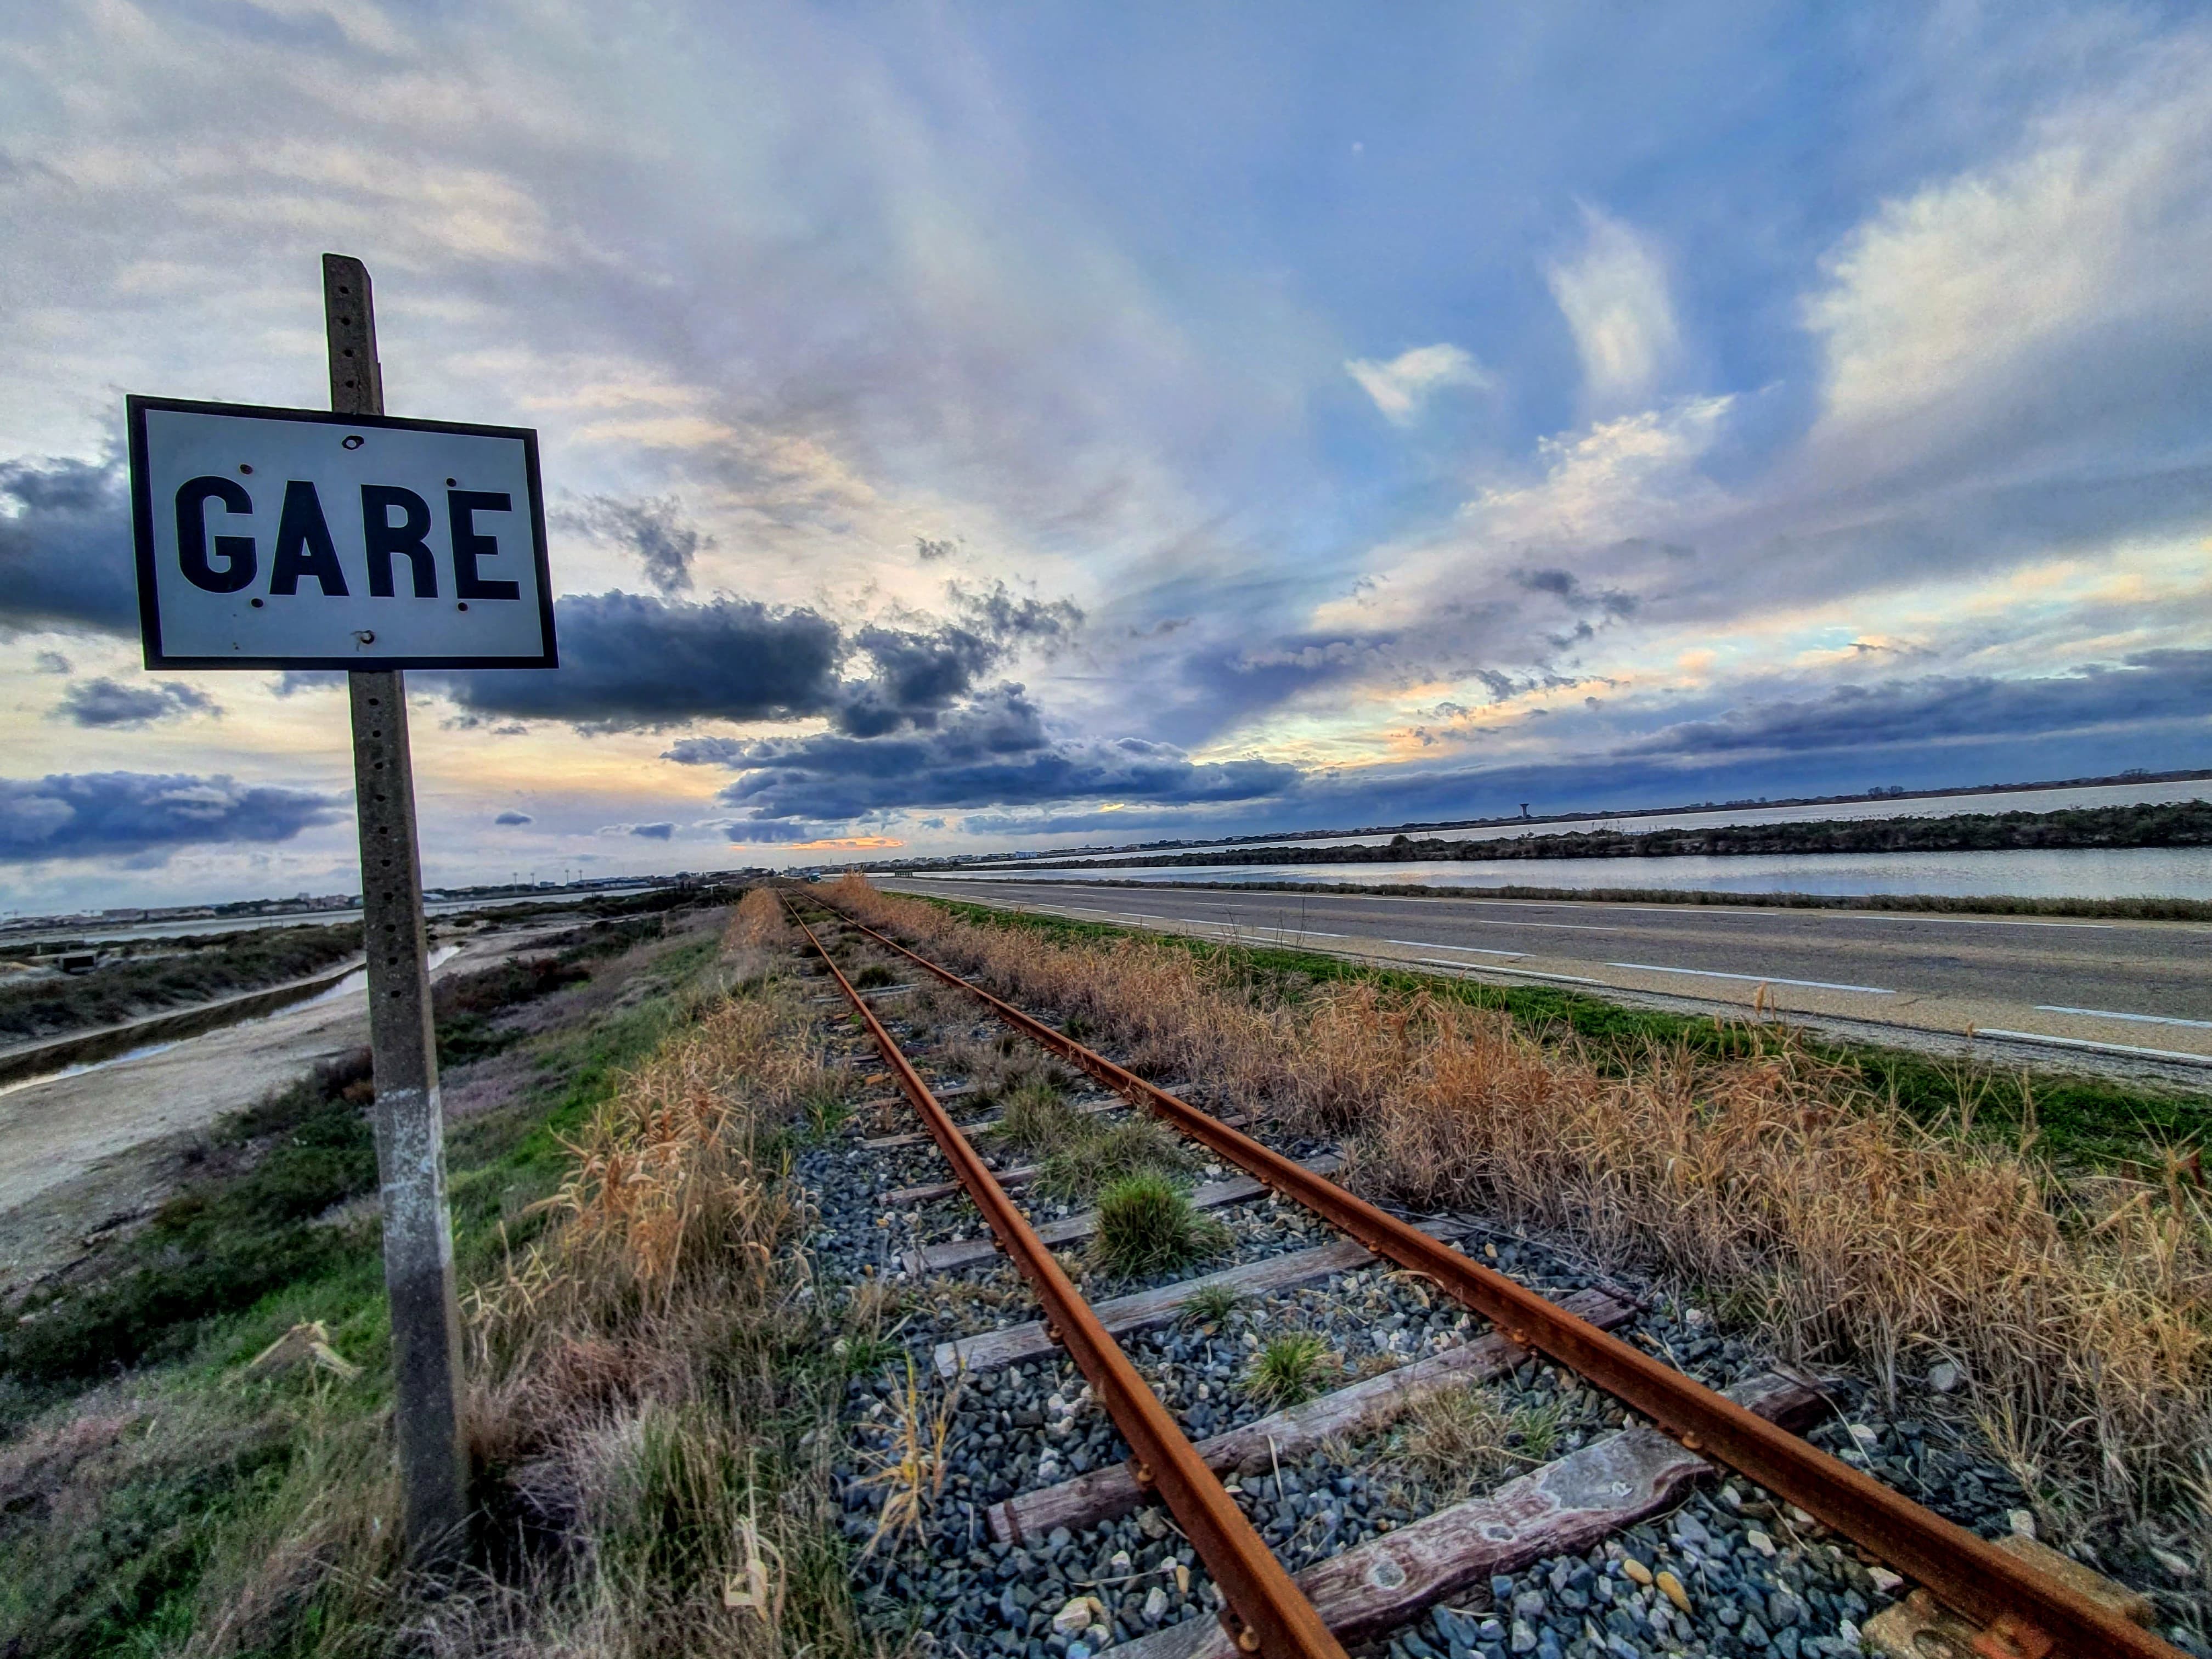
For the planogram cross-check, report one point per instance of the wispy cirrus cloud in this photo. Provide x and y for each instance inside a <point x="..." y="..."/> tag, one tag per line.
<point x="1402" y="386"/>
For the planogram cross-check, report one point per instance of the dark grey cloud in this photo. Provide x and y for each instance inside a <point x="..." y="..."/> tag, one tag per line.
<point x="52" y="662"/>
<point x="634" y="662"/>
<point x="1567" y="588"/>
<point x="511" y="819"/>
<point x="630" y="662"/>
<point x="653" y="528"/>
<point x="653" y="831"/>
<point x="65" y="558"/>
<point x="104" y="702"/>
<point x="2147" y="688"/>
<point x="992" y="751"/>
<point x="929" y="551"/>
<point x="96" y="814"/>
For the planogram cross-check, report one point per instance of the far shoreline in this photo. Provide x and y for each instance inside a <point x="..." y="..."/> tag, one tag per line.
<point x="2105" y="909"/>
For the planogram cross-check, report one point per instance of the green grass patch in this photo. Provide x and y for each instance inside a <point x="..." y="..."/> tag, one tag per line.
<point x="1209" y="1304"/>
<point x="1146" y="1225"/>
<point x="1097" y="1156"/>
<point x="1294" y="1366"/>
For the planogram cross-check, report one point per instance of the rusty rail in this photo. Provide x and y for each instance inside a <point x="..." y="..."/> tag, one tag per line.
<point x="1263" y="1611"/>
<point x="2025" y="1614"/>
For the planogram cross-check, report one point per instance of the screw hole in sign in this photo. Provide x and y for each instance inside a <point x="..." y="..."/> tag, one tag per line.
<point x="352" y="441"/>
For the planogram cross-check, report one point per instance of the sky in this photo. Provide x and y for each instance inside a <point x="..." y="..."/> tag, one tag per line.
<point x="973" y="427"/>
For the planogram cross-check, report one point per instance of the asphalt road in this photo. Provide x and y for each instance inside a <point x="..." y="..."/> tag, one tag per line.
<point x="2135" y="992"/>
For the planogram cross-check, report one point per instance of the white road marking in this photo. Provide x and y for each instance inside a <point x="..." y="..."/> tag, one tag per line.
<point x="1971" y="921"/>
<point x="2106" y="1013"/>
<point x="2080" y="1042"/>
<point x="1524" y="973"/>
<point x="1431" y="944"/>
<point x="1754" y="979"/>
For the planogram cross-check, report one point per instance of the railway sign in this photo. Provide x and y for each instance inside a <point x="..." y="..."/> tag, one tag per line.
<point x="298" y="538"/>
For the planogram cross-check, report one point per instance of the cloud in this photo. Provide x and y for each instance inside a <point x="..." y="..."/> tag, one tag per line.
<point x="1614" y="296"/>
<point x="104" y="703"/>
<point x="655" y="529"/>
<point x="992" y="751"/>
<point x="633" y="663"/>
<point x="65" y="557"/>
<point x="52" y="662"/>
<point x="929" y="551"/>
<point x="511" y="819"/>
<point x="97" y="814"/>
<point x="653" y="831"/>
<point x="2092" y="228"/>
<point x="1932" y="709"/>
<point x="1402" y="386"/>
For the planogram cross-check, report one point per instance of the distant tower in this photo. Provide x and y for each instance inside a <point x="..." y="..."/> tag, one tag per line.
<point x="1524" y="809"/>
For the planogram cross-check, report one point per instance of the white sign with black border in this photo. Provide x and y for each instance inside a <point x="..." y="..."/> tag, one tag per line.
<point x="297" y="538"/>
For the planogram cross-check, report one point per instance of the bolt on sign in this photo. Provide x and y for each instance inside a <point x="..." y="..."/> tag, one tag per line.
<point x="302" y="539"/>
<point x="294" y="539"/>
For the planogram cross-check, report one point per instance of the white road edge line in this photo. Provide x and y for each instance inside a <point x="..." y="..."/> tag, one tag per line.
<point x="1973" y="921"/>
<point x="1431" y="944"/>
<point x="2083" y="1042"/>
<point x="1754" y="979"/>
<point x="2106" y="1013"/>
<point x="1524" y="973"/>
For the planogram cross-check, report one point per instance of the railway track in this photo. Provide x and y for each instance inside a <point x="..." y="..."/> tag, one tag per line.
<point x="2003" y="1600"/>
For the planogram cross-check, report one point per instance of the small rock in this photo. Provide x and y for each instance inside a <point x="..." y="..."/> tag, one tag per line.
<point x="1078" y="1650"/>
<point x="1182" y="1579"/>
<point x="1884" y="1580"/>
<point x="1636" y="1570"/>
<point x="2022" y="1521"/>
<point x="1120" y="1564"/>
<point x="1072" y="1618"/>
<point x="1524" y="1638"/>
<point x="1943" y="1377"/>
<point x="1156" y="1603"/>
<point x="1759" y="1541"/>
<point x="1149" y="1524"/>
<point x="1671" y="1587"/>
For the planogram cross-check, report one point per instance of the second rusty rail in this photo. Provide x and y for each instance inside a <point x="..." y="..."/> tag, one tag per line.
<point x="2025" y="1614"/>
<point x="1264" y="1612"/>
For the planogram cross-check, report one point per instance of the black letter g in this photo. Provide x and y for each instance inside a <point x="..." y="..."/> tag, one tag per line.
<point x="235" y="551"/>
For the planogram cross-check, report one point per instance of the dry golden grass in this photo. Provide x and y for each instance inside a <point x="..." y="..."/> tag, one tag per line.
<point x="2079" y="1309"/>
<point x="654" y="1455"/>
<point x="1464" y="1440"/>
<point x="908" y="1464"/>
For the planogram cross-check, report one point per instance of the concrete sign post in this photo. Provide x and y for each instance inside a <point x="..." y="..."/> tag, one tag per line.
<point x="292" y="538"/>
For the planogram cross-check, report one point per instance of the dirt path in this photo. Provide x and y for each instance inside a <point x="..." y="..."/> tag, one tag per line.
<point x="87" y="1150"/>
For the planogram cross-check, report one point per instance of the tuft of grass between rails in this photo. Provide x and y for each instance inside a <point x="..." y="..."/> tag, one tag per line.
<point x="2049" y="1238"/>
<point x="1147" y="1224"/>
<point x="647" y="1361"/>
